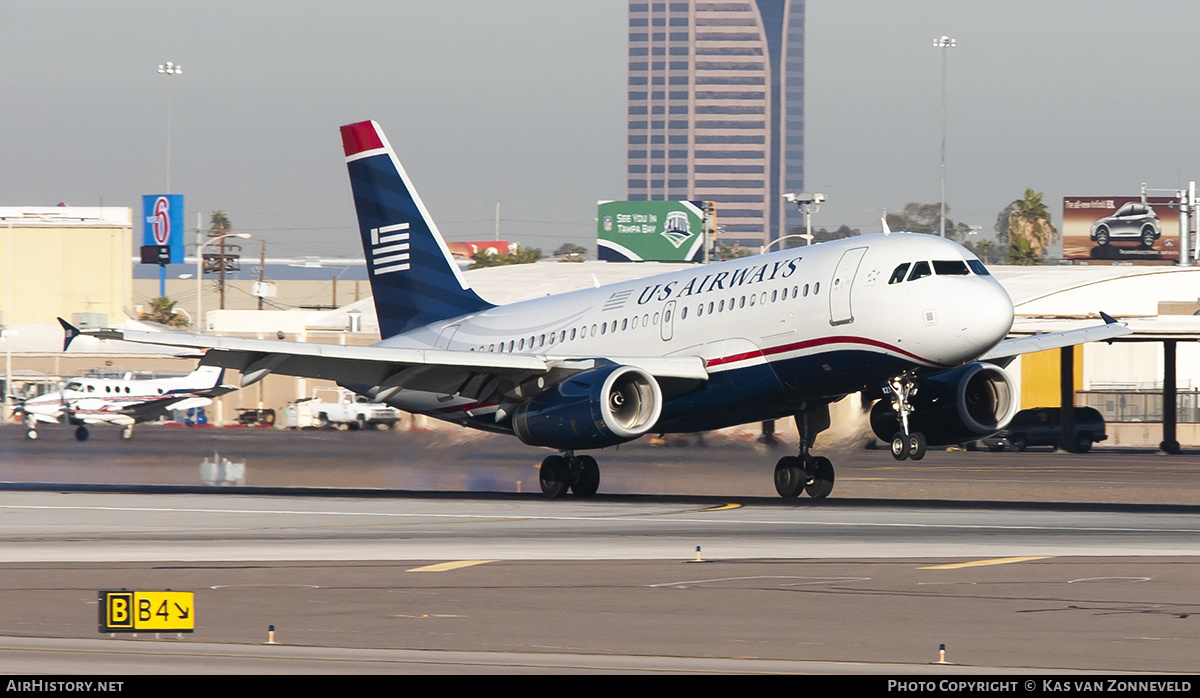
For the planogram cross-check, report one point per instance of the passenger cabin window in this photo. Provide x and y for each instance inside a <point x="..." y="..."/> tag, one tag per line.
<point x="898" y="275"/>
<point x="950" y="267"/>
<point x="919" y="271"/>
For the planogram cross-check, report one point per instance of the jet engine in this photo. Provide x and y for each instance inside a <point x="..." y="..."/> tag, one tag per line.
<point x="593" y="409"/>
<point x="956" y="406"/>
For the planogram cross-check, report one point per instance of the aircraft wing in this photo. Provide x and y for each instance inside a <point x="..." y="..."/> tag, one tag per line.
<point x="1015" y="346"/>
<point x="386" y="370"/>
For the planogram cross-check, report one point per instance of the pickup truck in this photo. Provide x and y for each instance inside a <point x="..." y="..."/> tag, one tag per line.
<point x="339" y="407"/>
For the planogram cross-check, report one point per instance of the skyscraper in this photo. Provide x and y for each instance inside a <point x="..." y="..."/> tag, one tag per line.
<point x="716" y="109"/>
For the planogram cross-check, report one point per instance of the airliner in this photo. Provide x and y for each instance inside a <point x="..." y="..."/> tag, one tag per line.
<point x="123" y="401"/>
<point x="912" y="319"/>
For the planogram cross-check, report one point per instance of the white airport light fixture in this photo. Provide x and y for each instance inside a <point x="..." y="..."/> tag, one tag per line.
<point x="808" y="204"/>
<point x="169" y="68"/>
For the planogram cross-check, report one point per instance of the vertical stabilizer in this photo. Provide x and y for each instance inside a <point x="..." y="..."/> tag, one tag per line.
<point x="413" y="277"/>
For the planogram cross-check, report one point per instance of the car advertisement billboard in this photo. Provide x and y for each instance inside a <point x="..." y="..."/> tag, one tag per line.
<point x="1120" y="228"/>
<point x="650" y="231"/>
<point x="162" y="227"/>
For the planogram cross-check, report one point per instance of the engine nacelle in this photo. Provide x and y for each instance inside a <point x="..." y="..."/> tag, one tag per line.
<point x="593" y="409"/>
<point x="960" y="405"/>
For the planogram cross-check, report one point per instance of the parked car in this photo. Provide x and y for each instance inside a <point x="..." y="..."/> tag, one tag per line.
<point x="1042" y="426"/>
<point x="1133" y="221"/>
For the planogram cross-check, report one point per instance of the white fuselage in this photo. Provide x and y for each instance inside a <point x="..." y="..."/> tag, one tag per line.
<point x="834" y="307"/>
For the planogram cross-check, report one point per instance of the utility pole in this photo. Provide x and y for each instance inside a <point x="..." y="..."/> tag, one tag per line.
<point x="262" y="267"/>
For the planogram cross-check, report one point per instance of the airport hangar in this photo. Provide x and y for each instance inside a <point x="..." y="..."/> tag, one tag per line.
<point x="75" y="263"/>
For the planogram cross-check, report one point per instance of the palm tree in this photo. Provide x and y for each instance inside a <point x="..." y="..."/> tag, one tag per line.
<point x="1030" y="221"/>
<point x="220" y="225"/>
<point x="162" y="311"/>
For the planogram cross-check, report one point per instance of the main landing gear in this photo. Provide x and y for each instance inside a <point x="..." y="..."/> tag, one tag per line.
<point x="905" y="443"/>
<point x="579" y="474"/>
<point x="81" y="433"/>
<point x="806" y="472"/>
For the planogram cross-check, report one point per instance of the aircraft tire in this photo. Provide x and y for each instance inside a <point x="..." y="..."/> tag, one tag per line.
<point x="916" y="445"/>
<point x="126" y="433"/>
<point x="822" y="481"/>
<point x="789" y="477"/>
<point x="81" y="433"/>
<point x="899" y="447"/>
<point x="589" y="477"/>
<point x="552" y="476"/>
<point x="31" y="434"/>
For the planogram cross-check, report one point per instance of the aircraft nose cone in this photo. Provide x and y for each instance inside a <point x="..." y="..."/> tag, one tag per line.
<point x="988" y="317"/>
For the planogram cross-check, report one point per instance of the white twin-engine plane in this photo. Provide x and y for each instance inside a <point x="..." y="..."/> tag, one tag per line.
<point x="906" y="317"/>
<point x="124" y="402"/>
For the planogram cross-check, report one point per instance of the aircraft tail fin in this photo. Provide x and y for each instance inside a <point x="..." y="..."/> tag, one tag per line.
<point x="70" y="332"/>
<point x="413" y="277"/>
<point x="206" y="377"/>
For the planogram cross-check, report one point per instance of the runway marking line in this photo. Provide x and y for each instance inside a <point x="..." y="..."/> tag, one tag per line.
<point x="447" y="566"/>
<point x="984" y="563"/>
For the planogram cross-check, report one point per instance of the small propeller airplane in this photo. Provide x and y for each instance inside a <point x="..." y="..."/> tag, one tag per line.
<point x="913" y="322"/>
<point x="125" y="401"/>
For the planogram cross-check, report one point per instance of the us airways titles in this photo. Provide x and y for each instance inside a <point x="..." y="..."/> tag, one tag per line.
<point x="719" y="281"/>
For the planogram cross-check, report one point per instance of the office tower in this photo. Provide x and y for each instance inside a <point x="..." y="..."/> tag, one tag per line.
<point x="716" y="110"/>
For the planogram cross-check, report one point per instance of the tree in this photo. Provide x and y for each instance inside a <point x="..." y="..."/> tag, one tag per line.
<point x="1020" y="252"/>
<point x="926" y="218"/>
<point x="1029" y="220"/>
<point x="523" y="255"/>
<point x="822" y="235"/>
<point x="162" y="311"/>
<point x="735" y="252"/>
<point x="570" y="252"/>
<point x="220" y="225"/>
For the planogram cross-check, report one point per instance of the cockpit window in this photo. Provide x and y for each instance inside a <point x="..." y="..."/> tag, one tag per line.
<point x="74" y="385"/>
<point x="950" y="267"/>
<point x="920" y="271"/>
<point x="977" y="267"/>
<point x="898" y="275"/>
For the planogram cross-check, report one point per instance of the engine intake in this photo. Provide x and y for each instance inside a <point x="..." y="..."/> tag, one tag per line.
<point x="960" y="405"/>
<point x="593" y="409"/>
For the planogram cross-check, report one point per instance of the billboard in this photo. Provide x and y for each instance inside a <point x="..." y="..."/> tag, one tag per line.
<point x="162" y="227"/>
<point x="1120" y="228"/>
<point x="650" y="231"/>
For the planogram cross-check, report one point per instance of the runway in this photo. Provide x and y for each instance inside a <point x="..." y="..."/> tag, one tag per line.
<point x="381" y="581"/>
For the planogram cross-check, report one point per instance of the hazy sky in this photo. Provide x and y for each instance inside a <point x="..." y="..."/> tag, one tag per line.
<point x="523" y="102"/>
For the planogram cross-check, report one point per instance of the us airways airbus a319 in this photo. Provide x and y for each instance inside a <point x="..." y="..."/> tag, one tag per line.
<point x="913" y="319"/>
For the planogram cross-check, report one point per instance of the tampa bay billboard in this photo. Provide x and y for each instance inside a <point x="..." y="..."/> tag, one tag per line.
<point x="1120" y="228"/>
<point x="650" y="231"/>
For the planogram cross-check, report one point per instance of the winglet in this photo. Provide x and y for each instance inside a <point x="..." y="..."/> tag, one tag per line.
<point x="1108" y="319"/>
<point x="70" y="332"/>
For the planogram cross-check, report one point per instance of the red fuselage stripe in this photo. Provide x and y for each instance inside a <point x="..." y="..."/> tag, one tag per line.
<point x="796" y="346"/>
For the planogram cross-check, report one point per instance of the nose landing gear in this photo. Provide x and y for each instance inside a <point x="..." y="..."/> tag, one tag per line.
<point x="905" y="443"/>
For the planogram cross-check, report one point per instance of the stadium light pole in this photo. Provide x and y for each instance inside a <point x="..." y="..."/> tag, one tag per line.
<point x="169" y="69"/>
<point x="944" y="42"/>
<point x="200" y="269"/>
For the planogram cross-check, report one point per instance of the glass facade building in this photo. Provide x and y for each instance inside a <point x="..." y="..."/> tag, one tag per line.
<point x="716" y="110"/>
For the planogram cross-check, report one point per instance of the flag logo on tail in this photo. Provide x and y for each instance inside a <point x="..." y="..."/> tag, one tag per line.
<point x="389" y="248"/>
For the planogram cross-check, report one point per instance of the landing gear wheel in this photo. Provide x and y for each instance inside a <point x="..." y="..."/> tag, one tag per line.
<point x="588" y="480"/>
<point x="790" y="476"/>
<point x="899" y="446"/>
<point x="31" y="435"/>
<point x="553" y="476"/>
<point x="127" y="433"/>
<point x="916" y="445"/>
<point x="822" y="478"/>
<point x="81" y="433"/>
